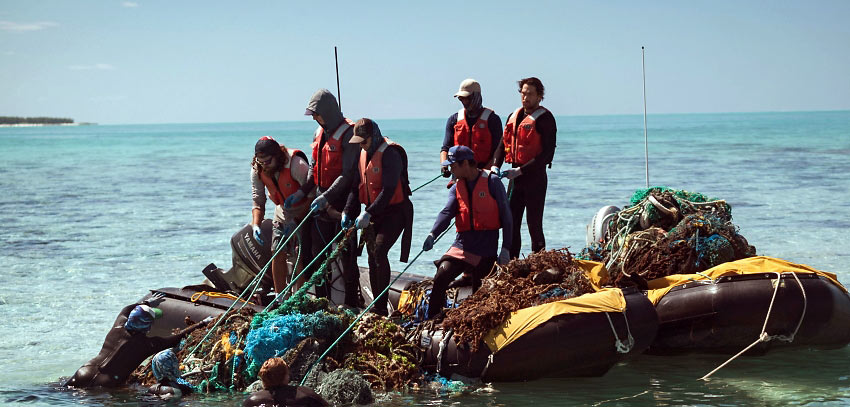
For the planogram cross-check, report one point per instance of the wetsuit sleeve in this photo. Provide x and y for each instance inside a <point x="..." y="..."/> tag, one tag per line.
<point x="258" y="191"/>
<point x="499" y="158"/>
<point x="444" y="218"/>
<point x="309" y="184"/>
<point x="352" y="203"/>
<point x="300" y="170"/>
<point x="162" y="343"/>
<point x="497" y="190"/>
<point x="391" y="167"/>
<point x="548" y="130"/>
<point x="494" y="123"/>
<point x="307" y="397"/>
<point x="449" y="137"/>
<point x="350" y="157"/>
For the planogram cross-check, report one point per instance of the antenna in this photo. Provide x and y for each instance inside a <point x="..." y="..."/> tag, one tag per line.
<point x="338" y="94"/>
<point x="645" y="139"/>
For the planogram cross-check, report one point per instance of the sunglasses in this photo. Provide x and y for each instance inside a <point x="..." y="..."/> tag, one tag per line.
<point x="264" y="162"/>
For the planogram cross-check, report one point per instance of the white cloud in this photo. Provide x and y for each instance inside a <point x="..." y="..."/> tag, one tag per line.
<point x="98" y="67"/>
<point x="23" y="27"/>
<point x="130" y="4"/>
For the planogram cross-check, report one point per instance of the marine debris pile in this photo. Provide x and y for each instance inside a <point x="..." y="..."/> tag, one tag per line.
<point x="540" y="278"/>
<point x="666" y="231"/>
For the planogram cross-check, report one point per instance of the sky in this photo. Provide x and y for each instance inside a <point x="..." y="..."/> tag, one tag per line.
<point x="190" y="61"/>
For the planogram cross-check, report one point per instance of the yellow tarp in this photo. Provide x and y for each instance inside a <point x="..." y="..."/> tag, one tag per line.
<point x="752" y="265"/>
<point x="522" y="321"/>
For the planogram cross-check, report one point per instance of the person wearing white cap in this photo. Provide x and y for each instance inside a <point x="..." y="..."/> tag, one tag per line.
<point x="478" y="204"/>
<point x="528" y="145"/>
<point x="474" y="126"/>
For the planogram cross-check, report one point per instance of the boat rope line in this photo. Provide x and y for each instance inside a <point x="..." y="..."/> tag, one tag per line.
<point x="213" y="294"/>
<point x="368" y="307"/>
<point x="432" y="180"/>
<point x="444" y="343"/>
<point x="252" y="286"/>
<point x="764" y="337"/>
<point x="622" y="347"/>
<point x="307" y="267"/>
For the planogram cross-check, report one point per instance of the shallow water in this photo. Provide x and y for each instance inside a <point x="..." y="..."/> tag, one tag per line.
<point x="92" y="217"/>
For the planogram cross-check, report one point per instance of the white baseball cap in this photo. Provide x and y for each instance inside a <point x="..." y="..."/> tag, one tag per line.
<point x="467" y="87"/>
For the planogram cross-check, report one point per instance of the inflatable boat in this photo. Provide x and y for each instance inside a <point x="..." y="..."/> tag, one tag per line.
<point x="581" y="336"/>
<point x="728" y="307"/>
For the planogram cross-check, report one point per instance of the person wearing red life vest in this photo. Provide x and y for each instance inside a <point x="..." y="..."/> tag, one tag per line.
<point x="528" y="145"/>
<point x="478" y="204"/>
<point x="280" y="172"/>
<point x="333" y="169"/>
<point x="474" y="126"/>
<point x="384" y="189"/>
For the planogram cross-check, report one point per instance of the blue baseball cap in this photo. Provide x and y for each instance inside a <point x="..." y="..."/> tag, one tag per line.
<point x="458" y="153"/>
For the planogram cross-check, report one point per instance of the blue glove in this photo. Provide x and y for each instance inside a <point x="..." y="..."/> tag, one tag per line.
<point x="362" y="220"/>
<point x="495" y="170"/>
<point x="293" y="199"/>
<point x="319" y="204"/>
<point x="257" y="234"/>
<point x="511" y="173"/>
<point x="429" y="243"/>
<point x="288" y="227"/>
<point x="346" y="222"/>
<point x="504" y="256"/>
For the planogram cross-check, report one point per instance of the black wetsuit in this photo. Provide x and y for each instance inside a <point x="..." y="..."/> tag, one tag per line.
<point x="167" y="387"/>
<point x="285" y="396"/>
<point x="528" y="191"/>
<point x="121" y="353"/>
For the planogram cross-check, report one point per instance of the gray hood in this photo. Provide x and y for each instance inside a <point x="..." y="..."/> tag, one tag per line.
<point x="324" y="103"/>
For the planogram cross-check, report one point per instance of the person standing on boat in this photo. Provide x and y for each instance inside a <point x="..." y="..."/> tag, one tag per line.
<point x="474" y="126"/>
<point x="478" y="204"/>
<point x="528" y="145"/>
<point x="332" y="171"/>
<point x="280" y="172"/>
<point x="127" y="345"/>
<point x="384" y="188"/>
<point x="276" y="389"/>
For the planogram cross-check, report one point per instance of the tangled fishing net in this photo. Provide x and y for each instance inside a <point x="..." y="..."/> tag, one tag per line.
<point x="540" y="278"/>
<point x="667" y="231"/>
<point x="383" y="354"/>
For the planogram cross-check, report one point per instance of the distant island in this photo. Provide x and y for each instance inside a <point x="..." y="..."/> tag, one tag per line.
<point x="38" y="121"/>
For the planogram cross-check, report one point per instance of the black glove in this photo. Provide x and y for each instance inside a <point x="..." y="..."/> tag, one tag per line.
<point x="445" y="172"/>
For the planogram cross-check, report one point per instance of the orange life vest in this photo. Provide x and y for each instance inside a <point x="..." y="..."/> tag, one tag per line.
<point x="477" y="138"/>
<point x="328" y="166"/>
<point x="479" y="210"/>
<point x="371" y="172"/>
<point x="522" y="143"/>
<point x="285" y="185"/>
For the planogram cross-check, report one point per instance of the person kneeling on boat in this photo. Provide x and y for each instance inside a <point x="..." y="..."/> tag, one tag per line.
<point x="384" y="189"/>
<point x="275" y="377"/>
<point x="127" y="345"/>
<point x="166" y="369"/>
<point x="281" y="172"/>
<point x="479" y="205"/>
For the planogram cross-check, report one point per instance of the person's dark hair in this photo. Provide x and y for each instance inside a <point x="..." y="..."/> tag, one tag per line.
<point x="274" y="373"/>
<point x="277" y="152"/>
<point x="471" y="162"/>
<point x="364" y="128"/>
<point x="533" y="81"/>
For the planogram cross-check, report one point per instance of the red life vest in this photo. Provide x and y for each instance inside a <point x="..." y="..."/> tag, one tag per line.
<point x="479" y="210"/>
<point x="477" y="138"/>
<point x="522" y="143"/>
<point x="328" y="167"/>
<point x="285" y="185"/>
<point x="370" y="175"/>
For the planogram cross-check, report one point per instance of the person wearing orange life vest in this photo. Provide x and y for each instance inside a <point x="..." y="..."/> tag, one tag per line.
<point x="281" y="172"/>
<point x="479" y="205"/>
<point x="474" y="126"/>
<point x="528" y="145"/>
<point x="384" y="188"/>
<point x="333" y="169"/>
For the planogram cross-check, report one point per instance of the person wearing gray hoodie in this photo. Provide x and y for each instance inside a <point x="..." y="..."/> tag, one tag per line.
<point x="333" y="167"/>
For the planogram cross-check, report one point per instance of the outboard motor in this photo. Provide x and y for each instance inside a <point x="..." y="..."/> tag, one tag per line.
<point x="249" y="257"/>
<point x="598" y="226"/>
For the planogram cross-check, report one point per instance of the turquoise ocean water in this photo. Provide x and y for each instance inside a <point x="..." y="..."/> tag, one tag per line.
<point x="92" y="217"/>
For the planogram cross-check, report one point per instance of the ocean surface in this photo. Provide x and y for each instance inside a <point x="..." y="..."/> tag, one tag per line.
<point x="92" y="217"/>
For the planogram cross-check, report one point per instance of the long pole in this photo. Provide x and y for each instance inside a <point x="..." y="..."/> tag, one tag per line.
<point x="338" y="95"/>
<point x="645" y="138"/>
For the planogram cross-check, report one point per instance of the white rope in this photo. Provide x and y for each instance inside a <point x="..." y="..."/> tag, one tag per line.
<point x="764" y="337"/>
<point x="618" y="344"/>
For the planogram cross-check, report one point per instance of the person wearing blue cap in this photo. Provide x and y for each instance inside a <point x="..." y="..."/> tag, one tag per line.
<point x="479" y="206"/>
<point x="170" y="384"/>
<point x="474" y="126"/>
<point x="127" y="345"/>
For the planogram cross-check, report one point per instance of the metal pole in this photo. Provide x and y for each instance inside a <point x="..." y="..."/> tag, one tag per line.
<point x="338" y="95"/>
<point x="645" y="138"/>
